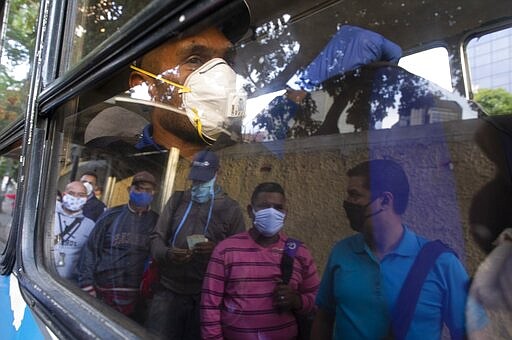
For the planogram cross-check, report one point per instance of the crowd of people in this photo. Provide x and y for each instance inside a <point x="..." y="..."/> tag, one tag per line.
<point x="213" y="278"/>
<point x="218" y="280"/>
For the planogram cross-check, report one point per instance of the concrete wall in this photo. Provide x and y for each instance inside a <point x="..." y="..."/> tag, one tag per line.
<point x="444" y="166"/>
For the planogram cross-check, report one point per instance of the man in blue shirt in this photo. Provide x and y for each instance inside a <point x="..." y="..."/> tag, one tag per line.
<point x="365" y="272"/>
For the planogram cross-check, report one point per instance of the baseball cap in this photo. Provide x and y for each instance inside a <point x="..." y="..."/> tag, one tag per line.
<point x="233" y="20"/>
<point x="204" y="166"/>
<point x="236" y="20"/>
<point x="143" y="176"/>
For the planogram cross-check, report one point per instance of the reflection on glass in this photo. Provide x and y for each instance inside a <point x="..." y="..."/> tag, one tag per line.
<point x="491" y="71"/>
<point x="376" y="110"/>
<point x="18" y="39"/>
<point x="96" y="20"/>
<point x="9" y="164"/>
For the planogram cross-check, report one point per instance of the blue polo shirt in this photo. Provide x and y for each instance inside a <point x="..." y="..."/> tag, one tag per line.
<point x="360" y="291"/>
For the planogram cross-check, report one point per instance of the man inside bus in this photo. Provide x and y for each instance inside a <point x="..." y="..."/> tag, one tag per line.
<point x="192" y="77"/>
<point x="366" y="273"/>
<point x="71" y="229"/>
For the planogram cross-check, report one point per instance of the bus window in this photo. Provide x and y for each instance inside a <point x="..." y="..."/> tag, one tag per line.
<point x="276" y="104"/>
<point x="17" y="58"/>
<point x="94" y="21"/>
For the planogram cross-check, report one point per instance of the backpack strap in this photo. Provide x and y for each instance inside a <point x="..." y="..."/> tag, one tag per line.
<point x="290" y="250"/>
<point x="405" y="304"/>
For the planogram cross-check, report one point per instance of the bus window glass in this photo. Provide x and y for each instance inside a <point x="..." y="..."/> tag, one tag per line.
<point x="275" y="105"/>
<point x="93" y="21"/>
<point x="17" y="58"/>
<point x="491" y="71"/>
<point x="9" y="165"/>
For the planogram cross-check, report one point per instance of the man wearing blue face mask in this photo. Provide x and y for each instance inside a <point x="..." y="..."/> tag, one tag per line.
<point x="191" y="224"/>
<point x="112" y="262"/>
<point x="246" y="293"/>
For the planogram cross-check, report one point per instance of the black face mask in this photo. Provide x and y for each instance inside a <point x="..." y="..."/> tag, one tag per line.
<point x="356" y="214"/>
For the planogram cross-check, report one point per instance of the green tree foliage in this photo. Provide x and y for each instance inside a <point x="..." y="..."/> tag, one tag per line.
<point x="103" y="18"/>
<point x="494" y="101"/>
<point x="17" y="53"/>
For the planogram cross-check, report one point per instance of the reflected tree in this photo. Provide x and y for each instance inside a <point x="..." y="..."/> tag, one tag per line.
<point x="494" y="101"/>
<point x="283" y="118"/>
<point x="368" y="93"/>
<point x="18" y="43"/>
<point x="101" y="19"/>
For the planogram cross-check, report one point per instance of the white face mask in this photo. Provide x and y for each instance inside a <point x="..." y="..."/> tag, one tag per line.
<point x="268" y="221"/>
<point x="214" y="102"/>
<point x="88" y="187"/>
<point x="73" y="203"/>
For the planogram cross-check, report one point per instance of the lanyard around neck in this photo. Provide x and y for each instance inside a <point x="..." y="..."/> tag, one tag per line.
<point x="180" y="226"/>
<point x="68" y="229"/>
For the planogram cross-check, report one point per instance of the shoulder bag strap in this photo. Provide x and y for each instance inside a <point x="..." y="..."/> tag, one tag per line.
<point x="405" y="304"/>
<point x="70" y="227"/>
<point x="290" y="250"/>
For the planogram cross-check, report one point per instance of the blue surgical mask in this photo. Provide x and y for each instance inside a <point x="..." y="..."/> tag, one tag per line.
<point x="268" y="221"/>
<point x="140" y="199"/>
<point x="201" y="193"/>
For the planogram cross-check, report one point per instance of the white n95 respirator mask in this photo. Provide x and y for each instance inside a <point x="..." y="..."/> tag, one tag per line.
<point x="212" y="100"/>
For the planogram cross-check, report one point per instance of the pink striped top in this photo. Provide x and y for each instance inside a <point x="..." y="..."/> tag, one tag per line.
<point x="236" y="301"/>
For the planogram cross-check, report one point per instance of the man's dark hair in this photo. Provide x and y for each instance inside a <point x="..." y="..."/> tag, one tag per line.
<point x="266" y="187"/>
<point x="384" y="175"/>
<point x="90" y="173"/>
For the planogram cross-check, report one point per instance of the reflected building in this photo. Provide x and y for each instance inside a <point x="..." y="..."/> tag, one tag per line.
<point x="489" y="61"/>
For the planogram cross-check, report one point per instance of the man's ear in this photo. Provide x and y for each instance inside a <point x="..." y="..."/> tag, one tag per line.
<point x="387" y="198"/>
<point x="137" y="78"/>
<point x="249" y="212"/>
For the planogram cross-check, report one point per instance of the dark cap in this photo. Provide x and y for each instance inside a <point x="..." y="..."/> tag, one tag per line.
<point x="237" y="19"/>
<point x="204" y="166"/>
<point x="143" y="176"/>
<point x="233" y="19"/>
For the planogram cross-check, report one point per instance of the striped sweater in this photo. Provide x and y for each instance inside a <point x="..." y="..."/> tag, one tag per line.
<point x="236" y="301"/>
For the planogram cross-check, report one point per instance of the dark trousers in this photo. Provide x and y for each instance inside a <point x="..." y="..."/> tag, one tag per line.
<point x="173" y="316"/>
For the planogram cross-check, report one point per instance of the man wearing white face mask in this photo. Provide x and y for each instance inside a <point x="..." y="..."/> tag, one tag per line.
<point x="192" y="87"/>
<point x="243" y="296"/>
<point x="93" y="208"/>
<point x="71" y="229"/>
<point x="191" y="224"/>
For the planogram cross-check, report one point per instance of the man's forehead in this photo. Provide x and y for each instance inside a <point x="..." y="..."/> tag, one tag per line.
<point x="76" y="187"/>
<point x="88" y="178"/>
<point x="356" y="183"/>
<point x="210" y="42"/>
<point x="270" y="197"/>
<point x="144" y="185"/>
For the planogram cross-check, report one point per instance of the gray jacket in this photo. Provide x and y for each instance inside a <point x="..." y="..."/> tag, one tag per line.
<point x="226" y="219"/>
